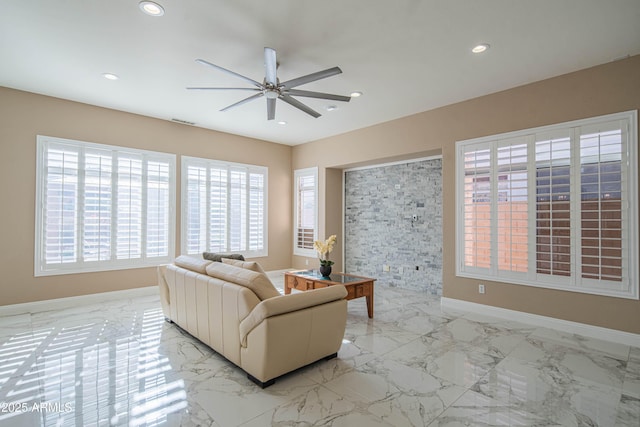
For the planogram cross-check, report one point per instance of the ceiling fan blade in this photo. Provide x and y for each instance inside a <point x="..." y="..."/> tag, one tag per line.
<point x="320" y="95"/>
<point x="270" y="66"/>
<point x="299" y="105"/>
<point x="217" y="67"/>
<point x="253" y="89"/>
<point x="271" y="108"/>
<point x="311" y="77"/>
<point x="244" y="101"/>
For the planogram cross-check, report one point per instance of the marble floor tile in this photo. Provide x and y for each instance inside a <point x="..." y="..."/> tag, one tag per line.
<point x="631" y="382"/>
<point x="475" y="409"/>
<point x="491" y="339"/>
<point x="396" y="393"/>
<point x="549" y="391"/>
<point x="317" y="406"/>
<point x="231" y="399"/>
<point x="10" y="324"/>
<point x="414" y="364"/>
<point x="579" y="342"/>
<point x="411" y="318"/>
<point x="497" y="322"/>
<point x="587" y="366"/>
<point x="628" y="414"/>
<point x="383" y="341"/>
<point x="458" y="363"/>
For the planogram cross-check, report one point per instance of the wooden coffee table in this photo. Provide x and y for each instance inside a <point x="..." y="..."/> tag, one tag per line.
<point x="357" y="286"/>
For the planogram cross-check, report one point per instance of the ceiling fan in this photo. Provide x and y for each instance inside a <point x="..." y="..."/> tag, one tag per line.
<point x="272" y="89"/>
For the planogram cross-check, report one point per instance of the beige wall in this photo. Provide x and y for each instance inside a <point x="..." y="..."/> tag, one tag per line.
<point x="333" y="217"/>
<point x="609" y="88"/>
<point x="24" y="115"/>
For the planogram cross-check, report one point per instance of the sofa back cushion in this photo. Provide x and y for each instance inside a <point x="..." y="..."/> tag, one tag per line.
<point x="194" y="264"/>
<point x="208" y="308"/>
<point x="248" y="265"/>
<point x="259" y="283"/>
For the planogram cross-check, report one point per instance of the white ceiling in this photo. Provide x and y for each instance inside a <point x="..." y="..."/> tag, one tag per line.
<point x="406" y="56"/>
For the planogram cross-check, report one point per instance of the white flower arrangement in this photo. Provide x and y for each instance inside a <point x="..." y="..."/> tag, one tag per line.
<point x="324" y="249"/>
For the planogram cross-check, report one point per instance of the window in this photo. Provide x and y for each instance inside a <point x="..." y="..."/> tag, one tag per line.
<point x="306" y="211"/>
<point x="553" y="207"/>
<point x="101" y="207"/>
<point x="224" y="207"/>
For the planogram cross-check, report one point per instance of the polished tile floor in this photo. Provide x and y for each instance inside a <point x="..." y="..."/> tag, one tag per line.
<point x="119" y="363"/>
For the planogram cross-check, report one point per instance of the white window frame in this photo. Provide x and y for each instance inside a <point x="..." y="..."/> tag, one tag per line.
<point x="300" y="173"/>
<point x="41" y="268"/>
<point x="629" y="287"/>
<point x="228" y="166"/>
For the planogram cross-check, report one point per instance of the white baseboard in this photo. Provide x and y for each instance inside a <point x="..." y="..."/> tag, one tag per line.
<point x="69" y="302"/>
<point x="597" y="332"/>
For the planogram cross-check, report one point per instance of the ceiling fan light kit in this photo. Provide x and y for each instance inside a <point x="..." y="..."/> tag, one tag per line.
<point x="272" y="89"/>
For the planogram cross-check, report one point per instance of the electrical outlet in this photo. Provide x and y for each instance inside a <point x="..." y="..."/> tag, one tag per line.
<point x="401" y="270"/>
<point x="386" y="268"/>
<point x="306" y="262"/>
<point x="481" y="288"/>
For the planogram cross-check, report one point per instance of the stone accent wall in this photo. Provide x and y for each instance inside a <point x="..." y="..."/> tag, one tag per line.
<point x="381" y="230"/>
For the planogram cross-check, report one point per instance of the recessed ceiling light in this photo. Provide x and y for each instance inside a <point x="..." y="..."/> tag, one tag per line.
<point x="151" y="8"/>
<point x="356" y="94"/>
<point x="480" y="48"/>
<point x="282" y="122"/>
<point x="331" y="108"/>
<point x="110" y="76"/>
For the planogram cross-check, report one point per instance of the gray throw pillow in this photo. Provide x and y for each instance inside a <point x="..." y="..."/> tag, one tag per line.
<point x="212" y="256"/>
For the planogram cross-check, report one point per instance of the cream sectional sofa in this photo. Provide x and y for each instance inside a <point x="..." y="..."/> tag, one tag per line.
<point x="233" y="308"/>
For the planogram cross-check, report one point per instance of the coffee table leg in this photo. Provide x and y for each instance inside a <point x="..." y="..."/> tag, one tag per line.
<point x="370" y="304"/>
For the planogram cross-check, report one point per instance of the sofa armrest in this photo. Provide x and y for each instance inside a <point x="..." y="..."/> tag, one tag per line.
<point x="163" y="287"/>
<point x="288" y="303"/>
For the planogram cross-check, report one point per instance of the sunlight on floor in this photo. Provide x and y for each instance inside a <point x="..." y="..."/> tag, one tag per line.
<point x="80" y="375"/>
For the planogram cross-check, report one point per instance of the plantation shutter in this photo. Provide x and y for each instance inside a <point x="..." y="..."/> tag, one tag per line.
<point x="158" y="181"/>
<point x="256" y="211"/>
<point x="196" y="230"/>
<point x="477" y="201"/>
<point x="129" y="208"/>
<point x="61" y="205"/>
<point x="217" y="230"/>
<point x="225" y="207"/>
<point x="603" y="244"/>
<point x="552" y="207"/>
<point x="237" y="210"/>
<point x="98" y="205"/>
<point x="306" y="217"/>
<point x="553" y="204"/>
<point x="305" y="213"/>
<point x="512" y="205"/>
<point x="101" y="207"/>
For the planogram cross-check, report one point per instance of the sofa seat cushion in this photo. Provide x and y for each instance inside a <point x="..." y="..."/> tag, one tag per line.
<point x="248" y="265"/>
<point x="194" y="264"/>
<point x="259" y="283"/>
